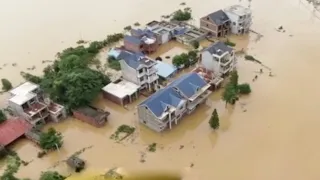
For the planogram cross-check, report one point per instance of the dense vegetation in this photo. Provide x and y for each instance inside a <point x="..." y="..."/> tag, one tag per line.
<point x="233" y="89"/>
<point x="185" y="59"/>
<point x="70" y="80"/>
<point x="229" y="43"/>
<point x="214" y="120"/>
<point x="182" y="15"/>
<point x="6" y="84"/>
<point x="13" y="165"/>
<point x="51" y="139"/>
<point x="3" y="116"/>
<point x="51" y="175"/>
<point x="114" y="63"/>
<point x="195" y="44"/>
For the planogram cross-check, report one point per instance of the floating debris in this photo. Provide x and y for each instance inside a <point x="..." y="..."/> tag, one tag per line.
<point x="152" y="147"/>
<point x="113" y="174"/>
<point x="136" y="24"/>
<point x="4" y="65"/>
<point x="191" y="165"/>
<point x="181" y="146"/>
<point x="142" y="157"/>
<point x="14" y="64"/>
<point x="182" y="4"/>
<point x="32" y="68"/>
<point x="76" y="163"/>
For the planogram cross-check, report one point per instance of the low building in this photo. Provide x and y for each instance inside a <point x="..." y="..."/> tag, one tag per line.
<point x="241" y="19"/>
<point x="209" y="76"/>
<point x="165" y="71"/>
<point x="216" y="24"/>
<point x="95" y="117"/>
<point x="139" y="69"/>
<point x="28" y="101"/>
<point x="190" y="35"/>
<point x="121" y="92"/>
<point x="170" y="104"/>
<point x="218" y="58"/>
<point x="143" y="41"/>
<point x="12" y="129"/>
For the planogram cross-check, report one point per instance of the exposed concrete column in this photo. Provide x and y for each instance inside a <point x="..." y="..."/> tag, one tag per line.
<point x="121" y="102"/>
<point x="170" y="126"/>
<point x="130" y="99"/>
<point x="136" y="94"/>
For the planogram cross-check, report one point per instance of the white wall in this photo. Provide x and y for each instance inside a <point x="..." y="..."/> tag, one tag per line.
<point x="165" y="37"/>
<point x="128" y="73"/>
<point x="208" y="62"/>
<point x="181" y="107"/>
<point x="234" y="18"/>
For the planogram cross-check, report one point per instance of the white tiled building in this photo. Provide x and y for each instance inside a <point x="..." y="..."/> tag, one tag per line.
<point x="241" y="18"/>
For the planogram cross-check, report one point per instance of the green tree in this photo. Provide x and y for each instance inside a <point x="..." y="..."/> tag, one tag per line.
<point x="51" y="139"/>
<point x="6" y="84"/>
<point x="13" y="165"/>
<point x="51" y="175"/>
<point x="182" y="15"/>
<point x="234" y="77"/>
<point x="195" y="44"/>
<point x="244" y="88"/>
<point x="230" y="94"/>
<point x="214" y="120"/>
<point x="3" y="116"/>
<point x="31" y="78"/>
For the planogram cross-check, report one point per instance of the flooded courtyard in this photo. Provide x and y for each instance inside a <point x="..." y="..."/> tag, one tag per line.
<point x="271" y="134"/>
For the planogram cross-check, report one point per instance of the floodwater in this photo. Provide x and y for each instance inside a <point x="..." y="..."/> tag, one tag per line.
<point x="272" y="134"/>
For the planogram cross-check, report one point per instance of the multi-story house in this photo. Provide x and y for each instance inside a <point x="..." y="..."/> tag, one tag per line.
<point x="139" y="69"/>
<point x="216" y="24"/>
<point x="141" y="41"/>
<point x="170" y="104"/>
<point x="218" y="58"/>
<point x="28" y="101"/>
<point x="240" y="17"/>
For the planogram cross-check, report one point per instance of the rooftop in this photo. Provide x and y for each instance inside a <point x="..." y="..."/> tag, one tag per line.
<point x="187" y="85"/>
<point x="93" y="112"/>
<point x="135" y="59"/>
<point x="24" y="88"/>
<point x="218" y="17"/>
<point x="132" y="39"/>
<point x="238" y="10"/>
<point x="164" y="69"/>
<point x="12" y="129"/>
<point x="218" y="48"/>
<point x="54" y="107"/>
<point x="121" y="89"/>
<point x="23" y="98"/>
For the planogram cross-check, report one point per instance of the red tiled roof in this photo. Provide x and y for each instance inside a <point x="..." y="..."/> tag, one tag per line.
<point x="12" y="129"/>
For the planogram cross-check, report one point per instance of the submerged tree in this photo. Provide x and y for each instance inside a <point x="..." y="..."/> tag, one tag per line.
<point x="6" y="84"/>
<point x="195" y="44"/>
<point x="214" y="120"/>
<point x="3" y="116"/>
<point x="182" y="15"/>
<point x="244" y="88"/>
<point x="51" y="175"/>
<point x="230" y="94"/>
<point x="51" y="139"/>
<point x="13" y="165"/>
<point x="234" y="77"/>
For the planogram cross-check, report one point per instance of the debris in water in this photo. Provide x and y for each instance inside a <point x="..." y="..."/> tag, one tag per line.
<point x="113" y="174"/>
<point x="167" y="57"/>
<point x="182" y="4"/>
<point x="152" y="147"/>
<point x="4" y="65"/>
<point x="261" y="71"/>
<point x="14" y="64"/>
<point x="142" y="157"/>
<point x="181" y="146"/>
<point x="191" y="165"/>
<point x="244" y="110"/>
<point x="136" y="24"/>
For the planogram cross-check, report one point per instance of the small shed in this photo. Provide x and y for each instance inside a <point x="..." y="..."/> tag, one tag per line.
<point x="76" y="163"/>
<point x="165" y="70"/>
<point x="91" y="115"/>
<point x="121" y="92"/>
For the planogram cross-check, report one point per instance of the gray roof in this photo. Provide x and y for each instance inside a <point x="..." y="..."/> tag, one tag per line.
<point x="134" y="59"/>
<point x="187" y="85"/>
<point x="132" y="39"/>
<point x="218" y="48"/>
<point x="219" y="17"/>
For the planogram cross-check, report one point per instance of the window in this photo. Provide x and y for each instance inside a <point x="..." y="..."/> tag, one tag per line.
<point x="141" y="79"/>
<point x="141" y="46"/>
<point x="208" y="18"/>
<point x="239" y="31"/>
<point x="140" y="71"/>
<point x="234" y="23"/>
<point x="207" y="25"/>
<point x="145" y="122"/>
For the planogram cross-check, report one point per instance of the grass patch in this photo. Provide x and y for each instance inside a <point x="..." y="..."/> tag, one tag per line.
<point x="229" y="43"/>
<point x="152" y="147"/>
<point x="122" y="132"/>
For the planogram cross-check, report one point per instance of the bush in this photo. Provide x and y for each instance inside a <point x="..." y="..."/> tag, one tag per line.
<point x="3" y="116"/>
<point x="152" y="147"/>
<point x="214" y="120"/>
<point x="51" y="175"/>
<point x="114" y="64"/>
<point x="6" y="84"/>
<point x="249" y="57"/>
<point x="229" y="43"/>
<point x="244" y="88"/>
<point x="195" y="44"/>
<point x="182" y="15"/>
<point x="50" y="140"/>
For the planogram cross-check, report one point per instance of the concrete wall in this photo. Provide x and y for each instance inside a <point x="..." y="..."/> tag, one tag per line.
<point x="87" y="119"/>
<point x="129" y="73"/>
<point x="209" y="62"/>
<point x="115" y="99"/>
<point x="234" y="21"/>
<point x="147" y="118"/>
<point x="208" y="25"/>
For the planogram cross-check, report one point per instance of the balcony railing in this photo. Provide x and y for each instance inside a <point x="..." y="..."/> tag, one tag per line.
<point x="152" y="78"/>
<point x="151" y="71"/>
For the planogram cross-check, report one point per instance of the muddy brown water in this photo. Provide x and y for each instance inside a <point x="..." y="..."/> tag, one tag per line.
<point x="276" y="138"/>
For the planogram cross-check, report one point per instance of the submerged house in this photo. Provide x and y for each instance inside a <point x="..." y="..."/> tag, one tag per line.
<point x="139" y="69"/>
<point x="140" y="40"/>
<point x="29" y="102"/>
<point x="12" y="129"/>
<point x="218" y="58"/>
<point x="240" y="17"/>
<point x="170" y="104"/>
<point x="91" y="115"/>
<point x="216" y="24"/>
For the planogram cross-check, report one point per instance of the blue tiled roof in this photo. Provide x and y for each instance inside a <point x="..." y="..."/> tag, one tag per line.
<point x="186" y="84"/>
<point x="219" y="17"/>
<point x="131" y="59"/>
<point x="189" y="83"/>
<point x="140" y="32"/>
<point x="215" y="47"/>
<point x="132" y="39"/>
<point x="180" y="31"/>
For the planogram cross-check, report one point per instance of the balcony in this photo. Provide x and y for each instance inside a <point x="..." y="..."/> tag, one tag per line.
<point x="200" y="99"/>
<point x="151" y="71"/>
<point x="34" y="108"/>
<point x="152" y="78"/>
<point x="140" y="74"/>
<point x="55" y="108"/>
